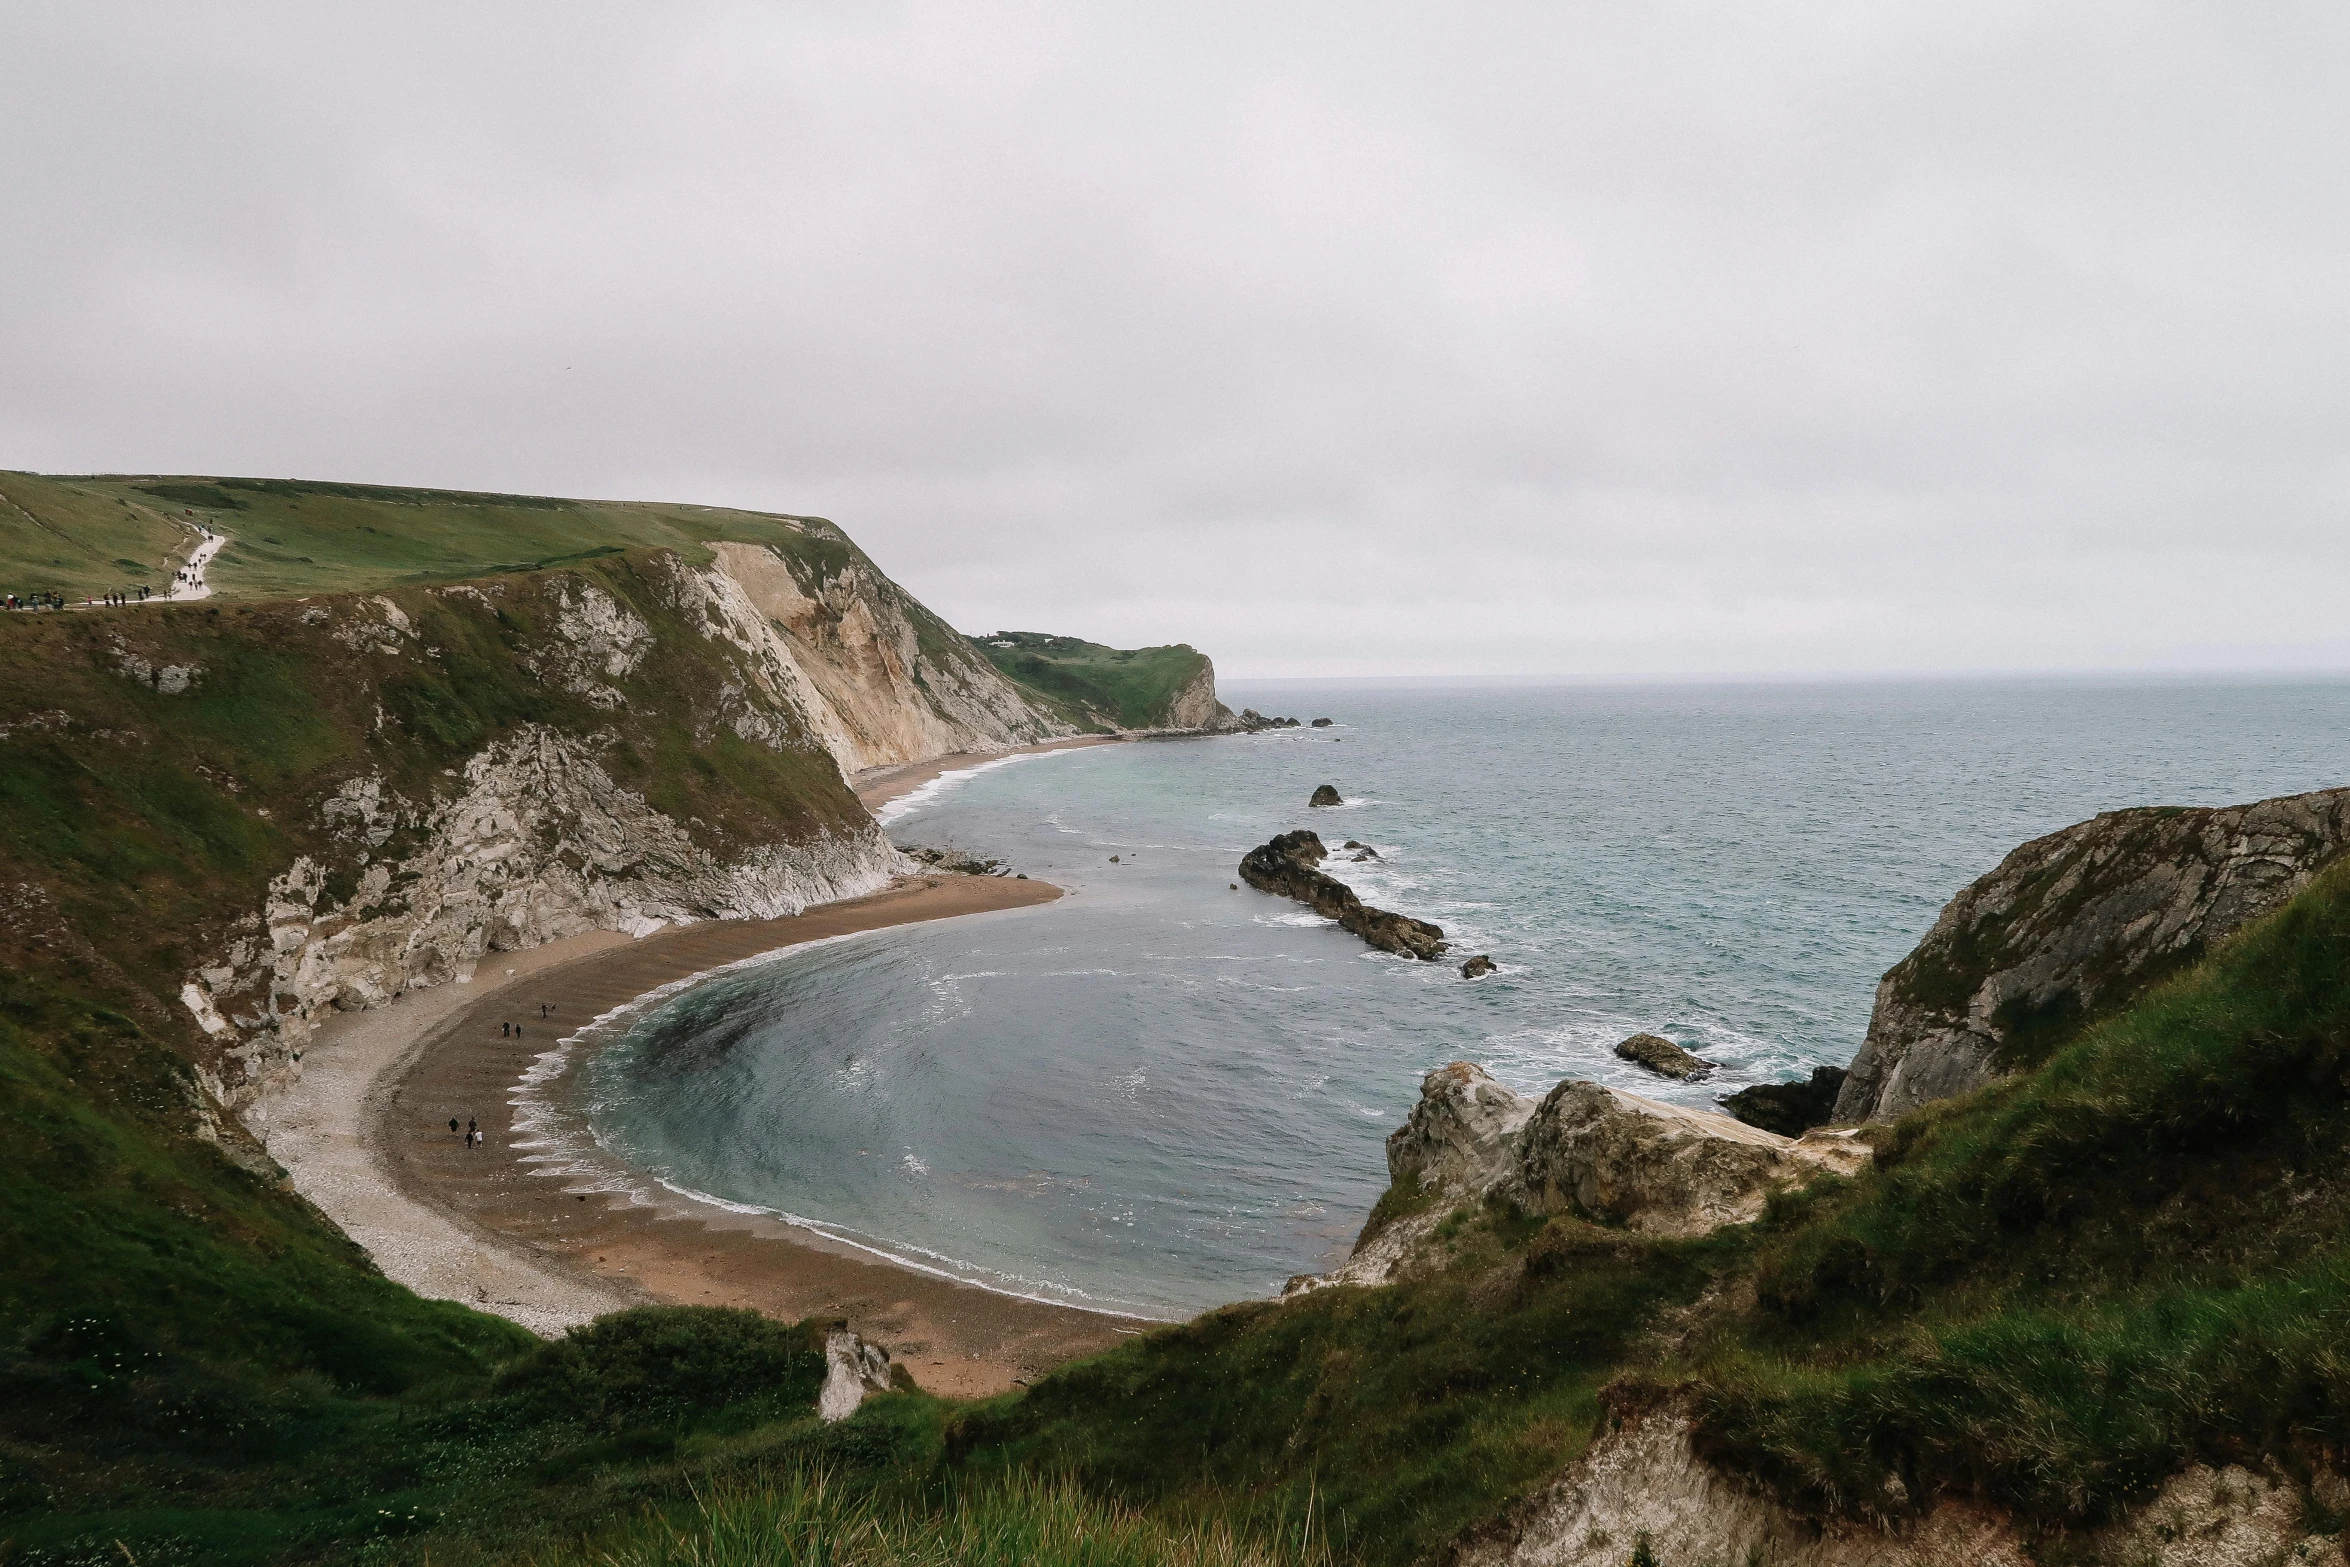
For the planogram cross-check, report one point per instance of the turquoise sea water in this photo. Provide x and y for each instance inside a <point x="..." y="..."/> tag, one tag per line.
<point x="1159" y="1093"/>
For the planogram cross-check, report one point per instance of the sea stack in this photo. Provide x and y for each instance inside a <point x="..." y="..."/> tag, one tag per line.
<point x="1327" y="795"/>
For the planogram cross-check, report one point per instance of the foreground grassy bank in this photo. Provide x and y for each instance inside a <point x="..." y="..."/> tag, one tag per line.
<point x="189" y="1354"/>
<point x="793" y="1518"/>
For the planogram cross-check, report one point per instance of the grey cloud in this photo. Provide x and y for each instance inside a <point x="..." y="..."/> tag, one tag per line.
<point x="1521" y="340"/>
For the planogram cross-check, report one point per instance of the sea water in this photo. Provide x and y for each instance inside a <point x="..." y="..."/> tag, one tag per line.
<point x="1161" y="1093"/>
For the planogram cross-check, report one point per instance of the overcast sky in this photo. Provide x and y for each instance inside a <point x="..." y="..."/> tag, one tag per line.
<point x="1517" y="340"/>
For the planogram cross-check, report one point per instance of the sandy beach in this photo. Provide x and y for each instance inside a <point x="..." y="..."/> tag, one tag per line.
<point x="877" y="786"/>
<point x="366" y="1137"/>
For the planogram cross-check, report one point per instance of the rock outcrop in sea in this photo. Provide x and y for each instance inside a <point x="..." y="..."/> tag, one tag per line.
<point x="2072" y="926"/>
<point x="1790" y="1109"/>
<point x="1477" y="967"/>
<point x="1661" y="1056"/>
<point x="1289" y="867"/>
<point x="1326" y="794"/>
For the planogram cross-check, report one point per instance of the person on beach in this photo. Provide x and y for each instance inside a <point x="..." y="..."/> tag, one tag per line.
<point x="505" y="1030"/>
<point x="452" y="1126"/>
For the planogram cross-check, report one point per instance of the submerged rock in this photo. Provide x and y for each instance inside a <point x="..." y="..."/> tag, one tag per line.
<point x="1252" y="721"/>
<point x="1327" y="794"/>
<point x="956" y="860"/>
<point x="1477" y="967"/>
<point x="1661" y="1056"/>
<point x="852" y="1369"/>
<point x="1790" y="1109"/>
<point x="1288" y="866"/>
<point x="2071" y="926"/>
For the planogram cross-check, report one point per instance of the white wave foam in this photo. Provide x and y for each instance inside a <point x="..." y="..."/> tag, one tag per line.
<point x="928" y="793"/>
<point x="937" y="1265"/>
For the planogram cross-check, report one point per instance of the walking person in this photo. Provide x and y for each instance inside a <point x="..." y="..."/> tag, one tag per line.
<point x="452" y="1126"/>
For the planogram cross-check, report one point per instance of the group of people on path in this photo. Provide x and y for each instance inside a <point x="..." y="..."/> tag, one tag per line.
<point x="473" y="1137"/>
<point x="188" y="576"/>
<point x="42" y="598"/>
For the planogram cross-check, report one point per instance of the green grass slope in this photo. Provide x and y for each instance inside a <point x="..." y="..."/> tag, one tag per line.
<point x="190" y="1355"/>
<point x="1093" y="686"/>
<point x="290" y="537"/>
<point x="84" y="535"/>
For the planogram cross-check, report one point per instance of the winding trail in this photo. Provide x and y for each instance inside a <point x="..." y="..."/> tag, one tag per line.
<point x="195" y="587"/>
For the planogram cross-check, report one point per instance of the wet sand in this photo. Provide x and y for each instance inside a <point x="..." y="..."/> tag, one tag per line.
<point x="955" y="1338"/>
<point x="877" y="786"/>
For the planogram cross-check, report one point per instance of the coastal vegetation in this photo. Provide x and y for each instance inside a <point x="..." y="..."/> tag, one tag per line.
<point x="2047" y="1296"/>
<point x="288" y="537"/>
<point x="1093" y="686"/>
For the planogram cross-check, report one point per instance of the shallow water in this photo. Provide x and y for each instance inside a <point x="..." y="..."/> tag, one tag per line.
<point x="1161" y="1093"/>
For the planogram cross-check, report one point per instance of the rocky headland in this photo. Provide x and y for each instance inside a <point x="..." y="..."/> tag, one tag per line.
<point x="1288" y="866"/>
<point x="1597" y="1153"/>
<point x="2071" y="926"/>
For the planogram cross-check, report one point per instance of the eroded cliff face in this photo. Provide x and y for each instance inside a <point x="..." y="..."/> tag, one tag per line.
<point x="361" y="795"/>
<point x="2070" y="927"/>
<point x="540" y="843"/>
<point x="1642" y="1482"/>
<point x="878" y="678"/>
<point x="1195" y="707"/>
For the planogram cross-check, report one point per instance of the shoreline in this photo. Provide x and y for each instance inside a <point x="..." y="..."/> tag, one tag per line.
<point x="366" y="1137"/>
<point x="876" y="787"/>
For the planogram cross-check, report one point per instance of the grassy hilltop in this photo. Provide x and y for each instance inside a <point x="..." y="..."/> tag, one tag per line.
<point x="1095" y="686"/>
<point x="290" y="537"/>
<point x="86" y="535"/>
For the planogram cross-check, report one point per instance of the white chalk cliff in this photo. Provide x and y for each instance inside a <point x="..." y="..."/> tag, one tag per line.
<point x="876" y="677"/>
<point x="534" y="838"/>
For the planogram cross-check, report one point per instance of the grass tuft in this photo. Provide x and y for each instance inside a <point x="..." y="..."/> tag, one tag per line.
<point x="802" y="1519"/>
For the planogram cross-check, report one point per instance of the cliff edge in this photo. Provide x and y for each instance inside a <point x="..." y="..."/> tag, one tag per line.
<point x="2071" y="926"/>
